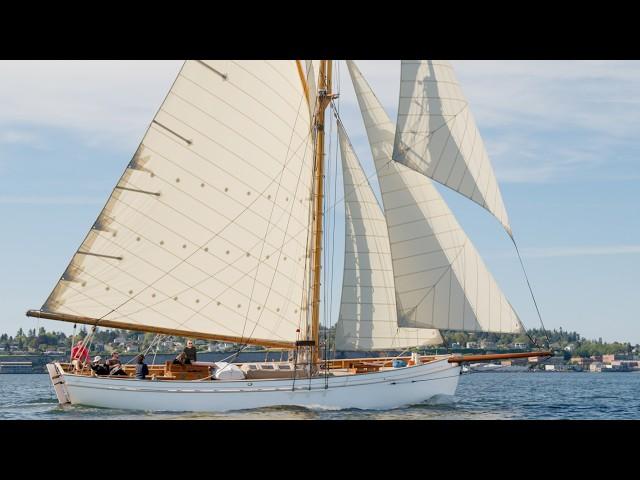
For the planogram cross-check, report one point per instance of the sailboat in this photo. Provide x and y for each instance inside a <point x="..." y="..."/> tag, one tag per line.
<point x="215" y="231"/>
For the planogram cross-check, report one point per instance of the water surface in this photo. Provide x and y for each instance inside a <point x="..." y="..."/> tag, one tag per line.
<point x="479" y="396"/>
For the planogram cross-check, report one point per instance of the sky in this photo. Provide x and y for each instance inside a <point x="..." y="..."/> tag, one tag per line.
<point x="562" y="137"/>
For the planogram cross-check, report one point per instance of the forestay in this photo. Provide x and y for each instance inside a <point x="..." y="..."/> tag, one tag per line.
<point x="368" y="318"/>
<point x="437" y="136"/>
<point x="440" y="280"/>
<point x="207" y="229"/>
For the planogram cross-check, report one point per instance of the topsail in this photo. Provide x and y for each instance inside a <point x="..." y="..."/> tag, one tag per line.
<point x="437" y="136"/>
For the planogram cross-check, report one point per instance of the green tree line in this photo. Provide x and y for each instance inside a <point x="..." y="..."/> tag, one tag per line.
<point x="42" y="340"/>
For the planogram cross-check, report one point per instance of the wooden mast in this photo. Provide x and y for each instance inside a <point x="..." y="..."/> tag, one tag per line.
<point x="324" y="99"/>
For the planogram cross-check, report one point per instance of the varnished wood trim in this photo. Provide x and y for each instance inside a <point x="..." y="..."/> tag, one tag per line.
<point x="498" y="356"/>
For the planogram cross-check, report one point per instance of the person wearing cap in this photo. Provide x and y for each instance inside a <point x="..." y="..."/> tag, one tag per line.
<point x="99" y="367"/>
<point x="190" y="351"/>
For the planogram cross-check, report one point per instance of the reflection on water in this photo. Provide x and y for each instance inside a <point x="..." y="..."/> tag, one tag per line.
<point x="479" y="397"/>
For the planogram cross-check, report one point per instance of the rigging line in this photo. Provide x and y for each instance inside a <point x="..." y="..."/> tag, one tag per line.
<point x="223" y="124"/>
<point x="267" y="85"/>
<point x="331" y="229"/>
<point x="335" y="180"/>
<point x="293" y="129"/>
<point x="278" y="261"/>
<point x="429" y="134"/>
<point x="231" y="222"/>
<point x="368" y="177"/>
<point x="325" y="241"/>
<point x="459" y="153"/>
<point x="211" y="300"/>
<point x="308" y="272"/>
<point x="146" y="307"/>
<point x="333" y="239"/>
<point x="224" y="147"/>
<point x="328" y="233"/>
<point x="192" y="287"/>
<point x="530" y="291"/>
<point x="73" y="341"/>
<point x="208" y="183"/>
<point x="233" y="107"/>
<point x="286" y="228"/>
<point x="452" y="262"/>
<point x="228" y="264"/>
<point x="208" y="206"/>
<point x="155" y="353"/>
<point x="431" y="288"/>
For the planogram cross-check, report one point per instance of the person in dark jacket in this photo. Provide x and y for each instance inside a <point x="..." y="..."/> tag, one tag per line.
<point x="190" y="351"/>
<point x="99" y="367"/>
<point x="182" y="359"/>
<point x="141" y="368"/>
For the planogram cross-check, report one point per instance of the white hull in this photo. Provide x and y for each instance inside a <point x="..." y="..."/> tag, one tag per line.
<point x="378" y="390"/>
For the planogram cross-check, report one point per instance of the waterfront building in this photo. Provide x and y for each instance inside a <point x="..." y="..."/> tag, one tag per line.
<point x="581" y="362"/>
<point x="595" y="366"/>
<point x="487" y="345"/>
<point x="616" y="357"/>
<point x="16" y="367"/>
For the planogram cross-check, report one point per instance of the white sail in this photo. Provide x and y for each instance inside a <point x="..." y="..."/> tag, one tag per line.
<point x="437" y="136"/>
<point x="440" y="280"/>
<point x="368" y="317"/>
<point x="207" y="229"/>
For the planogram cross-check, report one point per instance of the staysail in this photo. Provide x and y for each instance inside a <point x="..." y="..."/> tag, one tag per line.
<point x="368" y="317"/>
<point x="440" y="280"/>
<point x="437" y="136"/>
<point x="206" y="232"/>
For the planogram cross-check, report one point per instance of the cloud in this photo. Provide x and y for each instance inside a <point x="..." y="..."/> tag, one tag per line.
<point x="110" y="102"/>
<point x="17" y="136"/>
<point x="542" y="121"/>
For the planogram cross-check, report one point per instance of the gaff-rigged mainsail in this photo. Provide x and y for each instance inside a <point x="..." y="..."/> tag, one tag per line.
<point x="207" y="230"/>
<point x="368" y="317"/>
<point x="437" y="136"/>
<point x="440" y="280"/>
